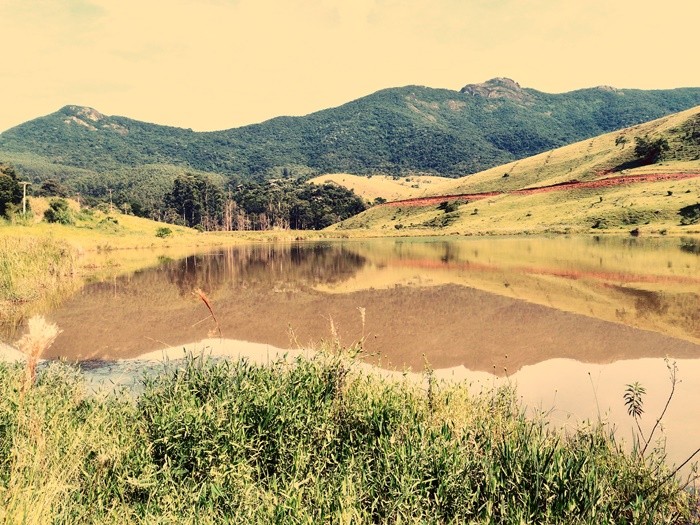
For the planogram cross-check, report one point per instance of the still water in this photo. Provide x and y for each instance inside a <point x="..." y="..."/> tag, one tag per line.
<point x="572" y="320"/>
<point x="489" y="304"/>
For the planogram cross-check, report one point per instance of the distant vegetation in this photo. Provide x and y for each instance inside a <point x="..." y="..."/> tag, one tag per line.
<point x="645" y="178"/>
<point x="197" y="201"/>
<point x="310" y="442"/>
<point x="10" y="191"/>
<point x="140" y="167"/>
<point x="408" y="130"/>
<point x="58" y="211"/>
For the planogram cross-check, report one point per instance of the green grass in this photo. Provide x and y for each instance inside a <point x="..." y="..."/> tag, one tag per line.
<point x="314" y="441"/>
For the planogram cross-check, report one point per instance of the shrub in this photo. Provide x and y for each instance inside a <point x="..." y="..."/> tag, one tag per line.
<point x="163" y="232"/>
<point x="447" y="206"/>
<point x="690" y="214"/>
<point x="58" y="212"/>
<point x="650" y="150"/>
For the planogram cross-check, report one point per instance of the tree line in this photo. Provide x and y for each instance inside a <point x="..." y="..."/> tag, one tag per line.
<point x="197" y="201"/>
<point x="207" y="202"/>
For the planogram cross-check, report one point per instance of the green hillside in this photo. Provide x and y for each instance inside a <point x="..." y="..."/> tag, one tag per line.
<point x="408" y="130"/>
<point x="614" y="182"/>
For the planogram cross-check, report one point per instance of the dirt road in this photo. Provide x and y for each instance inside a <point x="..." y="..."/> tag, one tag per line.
<point x="618" y="180"/>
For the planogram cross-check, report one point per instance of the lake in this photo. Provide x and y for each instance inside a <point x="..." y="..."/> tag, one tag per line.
<point x="466" y="301"/>
<point x="571" y="319"/>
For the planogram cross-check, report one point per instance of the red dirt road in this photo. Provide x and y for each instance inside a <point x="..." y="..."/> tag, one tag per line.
<point x="570" y="185"/>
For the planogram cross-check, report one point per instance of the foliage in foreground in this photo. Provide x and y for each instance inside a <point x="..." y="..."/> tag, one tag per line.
<point x="308" y="442"/>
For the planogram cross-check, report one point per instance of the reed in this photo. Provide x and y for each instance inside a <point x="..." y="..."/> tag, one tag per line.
<point x="199" y="293"/>
<point x="39" y="337"/>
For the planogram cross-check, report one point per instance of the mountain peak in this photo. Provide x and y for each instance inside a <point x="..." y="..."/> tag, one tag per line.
<point x="611" y="89"/>
<point x="83" y="112"/>
<point x="499" y="87"/>
<point x="90" y="118"/>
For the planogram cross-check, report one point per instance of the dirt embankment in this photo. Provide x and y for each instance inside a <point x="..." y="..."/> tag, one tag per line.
<point x="570" y="185"/>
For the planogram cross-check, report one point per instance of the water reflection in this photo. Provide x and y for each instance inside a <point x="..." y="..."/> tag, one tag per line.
<point x="272" y="266"/>
<point x="487" y="303"/>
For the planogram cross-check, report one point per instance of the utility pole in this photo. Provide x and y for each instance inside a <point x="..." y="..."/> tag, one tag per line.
<point x="110" y="199"/>
<point x="24" y="197"/>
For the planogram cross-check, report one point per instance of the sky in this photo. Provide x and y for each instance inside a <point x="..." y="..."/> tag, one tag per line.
<point x="218" y="64"/>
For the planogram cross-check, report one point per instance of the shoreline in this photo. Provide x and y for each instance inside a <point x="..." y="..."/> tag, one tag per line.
<point x="568" y="392"/>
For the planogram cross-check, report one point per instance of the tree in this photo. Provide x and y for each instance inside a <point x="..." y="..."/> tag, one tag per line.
<point x="52" y="188"/>
<point x="10" y="190"/>
<point x="197" y="200"/>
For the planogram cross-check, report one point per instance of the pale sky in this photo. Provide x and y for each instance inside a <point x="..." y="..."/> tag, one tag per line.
<point x="218" y="64"/>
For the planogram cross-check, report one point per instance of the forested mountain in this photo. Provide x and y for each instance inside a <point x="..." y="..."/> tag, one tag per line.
<point x="406" y="130"/>
<point x="252" y="177"/>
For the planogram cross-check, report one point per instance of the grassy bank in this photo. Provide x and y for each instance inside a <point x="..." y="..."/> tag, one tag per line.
<point x="313" y="442"/>
<point x="34" y="272"/>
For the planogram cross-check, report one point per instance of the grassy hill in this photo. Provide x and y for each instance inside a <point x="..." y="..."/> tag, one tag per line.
<point x="621" y="202"/>
<point x="408" y="131"/>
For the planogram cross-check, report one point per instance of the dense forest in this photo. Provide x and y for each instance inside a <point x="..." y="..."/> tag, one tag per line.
<point x="203" y="201"/>
<point x="10" y="191"/>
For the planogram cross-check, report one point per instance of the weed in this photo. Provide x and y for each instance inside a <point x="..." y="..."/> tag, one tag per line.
<point x="34" y="343"/>
<point x="201" y="295"/>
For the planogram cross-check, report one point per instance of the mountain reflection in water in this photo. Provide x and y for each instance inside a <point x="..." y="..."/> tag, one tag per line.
<point x="486" y="303"/>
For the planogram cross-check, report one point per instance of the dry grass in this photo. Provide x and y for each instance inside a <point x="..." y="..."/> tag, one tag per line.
<point x="39" y="337"/>
<point x="384" y="186"/>
<point x="203" y="297"/>
<point x="584" y="160"/>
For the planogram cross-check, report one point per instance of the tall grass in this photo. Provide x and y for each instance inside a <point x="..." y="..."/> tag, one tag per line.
<point x="306" y="442"/>
<point x="33" y="271"/>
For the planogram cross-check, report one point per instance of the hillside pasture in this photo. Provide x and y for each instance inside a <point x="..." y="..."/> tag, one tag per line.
<point x="371" y="187"/>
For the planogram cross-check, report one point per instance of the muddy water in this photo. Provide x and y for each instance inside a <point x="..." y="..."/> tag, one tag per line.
<point x="486" y="304"/>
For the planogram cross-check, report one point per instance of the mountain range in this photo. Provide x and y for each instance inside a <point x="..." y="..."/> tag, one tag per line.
<point x="396" y="131"/>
